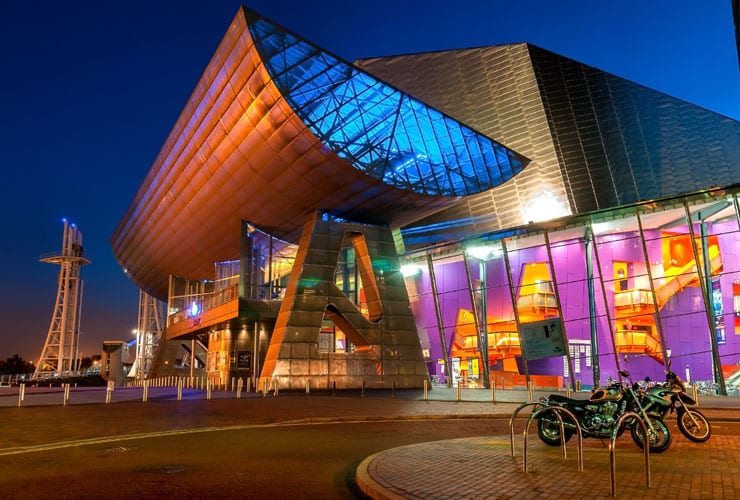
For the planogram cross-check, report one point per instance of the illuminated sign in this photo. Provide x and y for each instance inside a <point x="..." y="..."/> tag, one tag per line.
<point x="194" y="309"/>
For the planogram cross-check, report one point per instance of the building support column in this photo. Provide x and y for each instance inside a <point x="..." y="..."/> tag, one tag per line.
<point x="514" y="302"/>
<point x="705" y="278"/>
<point x="588" y="242"/>
<point x="440" y="324"/>
<point x="554" y="281"/>
<point x="480" y="324"/>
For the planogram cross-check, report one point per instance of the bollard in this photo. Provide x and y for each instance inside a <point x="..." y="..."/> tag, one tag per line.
<point x="530" y="396"/>
<point x="233" y="383"/>
<point x="362" y="394"/>
<point x="21" y="394"/>
<point x="696" y="393"/>
<point x="66" y="394"/>
<point x="493" y="391"/>
<point x="333" y="388"/>
<point x="459" y="392"/>
<point x="277" y="389"/>
<point x="109" y="391"/>
<point x="308" y="386"/>
<point x="145" y="393"/>
<point x="208" y="389"/>
<point x="239" y="388"/>
<point x="567" y="389"/>
<point x="426" y="394"/>
<point x="179" y="390"/>
<point x="264" y="387"/>
<point x="249" y="385"/>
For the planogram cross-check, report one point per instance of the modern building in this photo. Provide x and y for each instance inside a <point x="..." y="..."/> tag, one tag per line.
<point x="495" y="214"/>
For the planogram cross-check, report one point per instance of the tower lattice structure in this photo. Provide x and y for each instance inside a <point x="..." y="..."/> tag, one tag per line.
<point x="61" y="349"/>
<point x="148" y="334"/>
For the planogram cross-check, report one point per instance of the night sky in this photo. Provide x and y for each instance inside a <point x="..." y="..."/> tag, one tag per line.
<point x="90" y="90"/>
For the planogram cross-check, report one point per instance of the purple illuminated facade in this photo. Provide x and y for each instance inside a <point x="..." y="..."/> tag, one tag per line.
<point x="659" y="270"/>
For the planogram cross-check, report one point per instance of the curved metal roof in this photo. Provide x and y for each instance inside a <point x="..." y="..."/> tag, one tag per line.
<point x="277" y="128"/>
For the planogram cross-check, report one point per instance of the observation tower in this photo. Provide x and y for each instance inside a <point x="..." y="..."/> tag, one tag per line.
<point x="59" y="356"/>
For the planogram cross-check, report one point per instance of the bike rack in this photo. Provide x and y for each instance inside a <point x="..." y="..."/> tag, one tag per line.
<point x="612" y="455"/>
<point x="612" y="442"/>
<point x="557" y="410"/>
<point x="511" y="422"/>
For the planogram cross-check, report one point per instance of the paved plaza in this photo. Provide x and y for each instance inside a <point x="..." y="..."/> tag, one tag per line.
<point x="471" y="467"/>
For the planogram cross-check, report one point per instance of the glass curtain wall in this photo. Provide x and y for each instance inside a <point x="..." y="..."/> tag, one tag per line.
<point x="585" y="317"/>
<point x="642" y="289"/>
<point x="459" y="323"/>
<point x="536" y="299"/>
<point x="629" y="295"/>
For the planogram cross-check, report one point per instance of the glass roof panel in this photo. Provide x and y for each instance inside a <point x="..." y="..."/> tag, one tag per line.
<point x="377" y="128"/>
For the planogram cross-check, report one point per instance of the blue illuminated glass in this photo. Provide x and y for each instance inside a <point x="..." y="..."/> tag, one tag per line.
<point x="377" y="128"/>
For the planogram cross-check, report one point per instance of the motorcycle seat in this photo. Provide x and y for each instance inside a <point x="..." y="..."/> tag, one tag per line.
<point x="557" y="398"/>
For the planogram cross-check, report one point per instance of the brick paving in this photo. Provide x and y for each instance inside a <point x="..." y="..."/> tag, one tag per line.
<point x="482" y="468"/>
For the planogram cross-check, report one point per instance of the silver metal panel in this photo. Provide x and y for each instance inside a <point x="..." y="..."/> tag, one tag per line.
<point x="596" y="141"/>
<point x="493" y="90"/>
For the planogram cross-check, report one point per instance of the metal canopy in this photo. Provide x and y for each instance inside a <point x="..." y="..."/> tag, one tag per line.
<point x="248" y="148"/>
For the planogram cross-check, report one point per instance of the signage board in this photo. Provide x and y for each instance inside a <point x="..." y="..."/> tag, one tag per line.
<point x="542" y="339"/>
<point x="244" y="360"/>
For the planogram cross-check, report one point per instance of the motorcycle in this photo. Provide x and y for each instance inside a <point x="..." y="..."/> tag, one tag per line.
<point x="598" y="415"/>
<point x="691" y="422"/>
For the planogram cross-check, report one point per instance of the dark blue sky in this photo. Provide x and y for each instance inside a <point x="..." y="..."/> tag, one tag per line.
<point x="90" y="90"/>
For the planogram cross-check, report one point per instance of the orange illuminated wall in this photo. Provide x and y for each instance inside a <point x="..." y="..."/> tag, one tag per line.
<point x="533" y="276"/>
<point x="621" y="275"/>
<point x="677" y="251"/>
<point x="736" y="305"/>
<point x="503" y="338"/>
<point x="635" y="308"/>
<point x="219" y="348"/>
<point x="536" y="299"/>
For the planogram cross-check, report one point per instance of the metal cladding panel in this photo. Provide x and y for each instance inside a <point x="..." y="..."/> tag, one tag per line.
<point x="239" y="152"/>
<point x="261" y="140"/>
<point x="619" y="142"/>
<point x="595" y="140"/>
<point x="494" y="90"/>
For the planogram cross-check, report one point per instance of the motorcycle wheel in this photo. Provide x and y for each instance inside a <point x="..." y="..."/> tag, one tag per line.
<point x="697" y="432"/>
<point x="660" y="437"/>
<point x="549" y="431"/>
